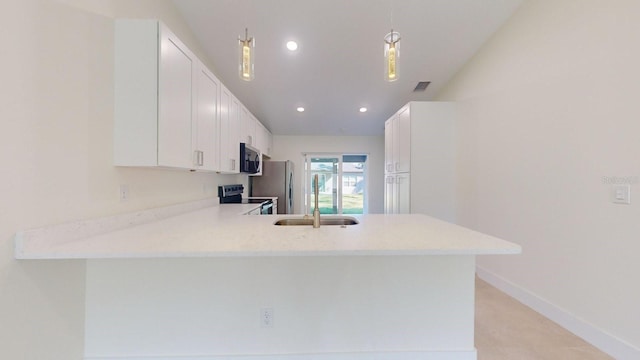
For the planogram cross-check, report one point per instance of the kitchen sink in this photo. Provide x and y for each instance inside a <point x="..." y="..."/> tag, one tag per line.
<point x="324" y="220"/>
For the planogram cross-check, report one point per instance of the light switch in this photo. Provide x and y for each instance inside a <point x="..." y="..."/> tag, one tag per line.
<point x="622" y="194"/>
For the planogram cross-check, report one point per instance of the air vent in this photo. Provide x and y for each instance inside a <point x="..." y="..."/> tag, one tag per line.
<point x="422" y="86"/>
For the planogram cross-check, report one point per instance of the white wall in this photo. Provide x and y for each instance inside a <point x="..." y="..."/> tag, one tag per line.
<point x="433" y="167"/>
<point x="292" y="147"/>
<point x="328" y="307"/>
<point x="548" y="108"/>
<point x="56" y="106"/>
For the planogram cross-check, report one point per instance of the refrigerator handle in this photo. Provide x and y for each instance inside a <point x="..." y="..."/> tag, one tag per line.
<point x="291" y="191"/>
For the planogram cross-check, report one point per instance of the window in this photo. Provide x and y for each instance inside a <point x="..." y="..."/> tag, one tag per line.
<point x="341" y="182"/>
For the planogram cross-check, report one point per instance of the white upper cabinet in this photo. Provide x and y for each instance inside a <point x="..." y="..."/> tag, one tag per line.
<point x="207" y="152"/>
<point x="248" y="128"/>
<point x="264" y="139"/>
<point x="170" y="110"/>
<point x="401" y="134"/>
<point x="156" y="117"/>
<point x="229" y="132"/>
<point x="397" y="144"/>
<point x="388" y="145"/>
<point x="234" y="134"/>
<point x="175" y="101"/>
<point x="253" y="133"/>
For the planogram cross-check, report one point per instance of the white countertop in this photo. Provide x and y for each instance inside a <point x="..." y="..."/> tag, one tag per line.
<point x="220" y="230"/>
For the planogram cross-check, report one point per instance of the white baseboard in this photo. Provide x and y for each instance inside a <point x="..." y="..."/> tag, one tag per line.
<point x="396" y="355"/>
<point x="619" y="349"/>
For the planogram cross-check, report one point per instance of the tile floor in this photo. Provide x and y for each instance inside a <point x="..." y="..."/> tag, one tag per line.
<point x="508" y="330"/>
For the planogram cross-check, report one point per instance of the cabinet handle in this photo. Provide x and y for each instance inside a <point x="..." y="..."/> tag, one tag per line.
<point x="195" y="157"/>
<point x="233" y="164"/>
<point x="250" y="139"/>
<point x="198" y="158"/>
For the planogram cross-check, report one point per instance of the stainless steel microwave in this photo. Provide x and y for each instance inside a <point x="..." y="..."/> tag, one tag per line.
<point x="249" y="159"/>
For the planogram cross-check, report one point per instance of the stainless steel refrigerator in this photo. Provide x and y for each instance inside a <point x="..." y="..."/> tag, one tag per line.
<point x="276" y="180"/>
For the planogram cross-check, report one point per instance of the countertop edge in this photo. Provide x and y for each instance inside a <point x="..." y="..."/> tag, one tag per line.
<point x="253" y="254"/>
<point x="210" y="231"/>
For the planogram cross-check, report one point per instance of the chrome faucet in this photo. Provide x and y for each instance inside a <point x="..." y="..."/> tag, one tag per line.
<point x="316" y="211"/>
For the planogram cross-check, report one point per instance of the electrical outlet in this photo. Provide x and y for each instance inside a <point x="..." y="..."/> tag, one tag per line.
<point x="266" y="317"/>
<point x="123" y="192"/>
<point x="621" y="194"/>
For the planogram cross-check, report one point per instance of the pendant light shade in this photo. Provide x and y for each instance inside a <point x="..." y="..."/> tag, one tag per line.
<point x="246" y="48"/>
<point x="391" y="55"/>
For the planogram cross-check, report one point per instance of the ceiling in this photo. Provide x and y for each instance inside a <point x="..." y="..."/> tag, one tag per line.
<point x="338" y="66"/>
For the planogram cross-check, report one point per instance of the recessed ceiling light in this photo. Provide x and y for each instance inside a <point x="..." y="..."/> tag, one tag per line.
<point x="363" y="109"/>
<point x="300" y="109"/>
<point x="292" y="45"/>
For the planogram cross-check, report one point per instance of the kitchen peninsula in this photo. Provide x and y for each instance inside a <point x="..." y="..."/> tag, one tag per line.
<point x="193" y="281"/>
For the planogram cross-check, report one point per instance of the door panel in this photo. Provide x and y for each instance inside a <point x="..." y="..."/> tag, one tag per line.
<point x="175" y="105"/>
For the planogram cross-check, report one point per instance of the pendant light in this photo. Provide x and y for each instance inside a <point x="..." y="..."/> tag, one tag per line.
<point x="391" y="50"/>
<point x="391" y="55"/>
<point x="246" y="49"/>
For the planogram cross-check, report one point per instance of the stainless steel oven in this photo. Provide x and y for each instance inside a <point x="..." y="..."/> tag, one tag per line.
<point x="232" y="194"/>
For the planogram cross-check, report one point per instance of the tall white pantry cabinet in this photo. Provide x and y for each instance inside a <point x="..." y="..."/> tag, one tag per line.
<point x="420" y="164"/>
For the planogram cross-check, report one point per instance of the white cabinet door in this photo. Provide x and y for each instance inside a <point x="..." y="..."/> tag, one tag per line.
<point x="234" y="133"/>
<point x="229" y="132"/>
<point x="176" y="97"/>
<point x="402" y="194"/>
<point x="269" y="143"/>
<point x="262" y="138"/>
<point x="397" y="142"/>
<point x="402" y="133"/>
<point x="248" y="127"/>
<point x="165" y="100"/>
<point x="389" y="188"/>
<point x="397" y="193"/>
<point x="388" y="146"/>
<point x="206" y="152"/>
<point x="154" y="96"/>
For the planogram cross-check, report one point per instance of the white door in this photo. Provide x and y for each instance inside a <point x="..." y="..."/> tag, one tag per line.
<point x="341" y="181"/>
